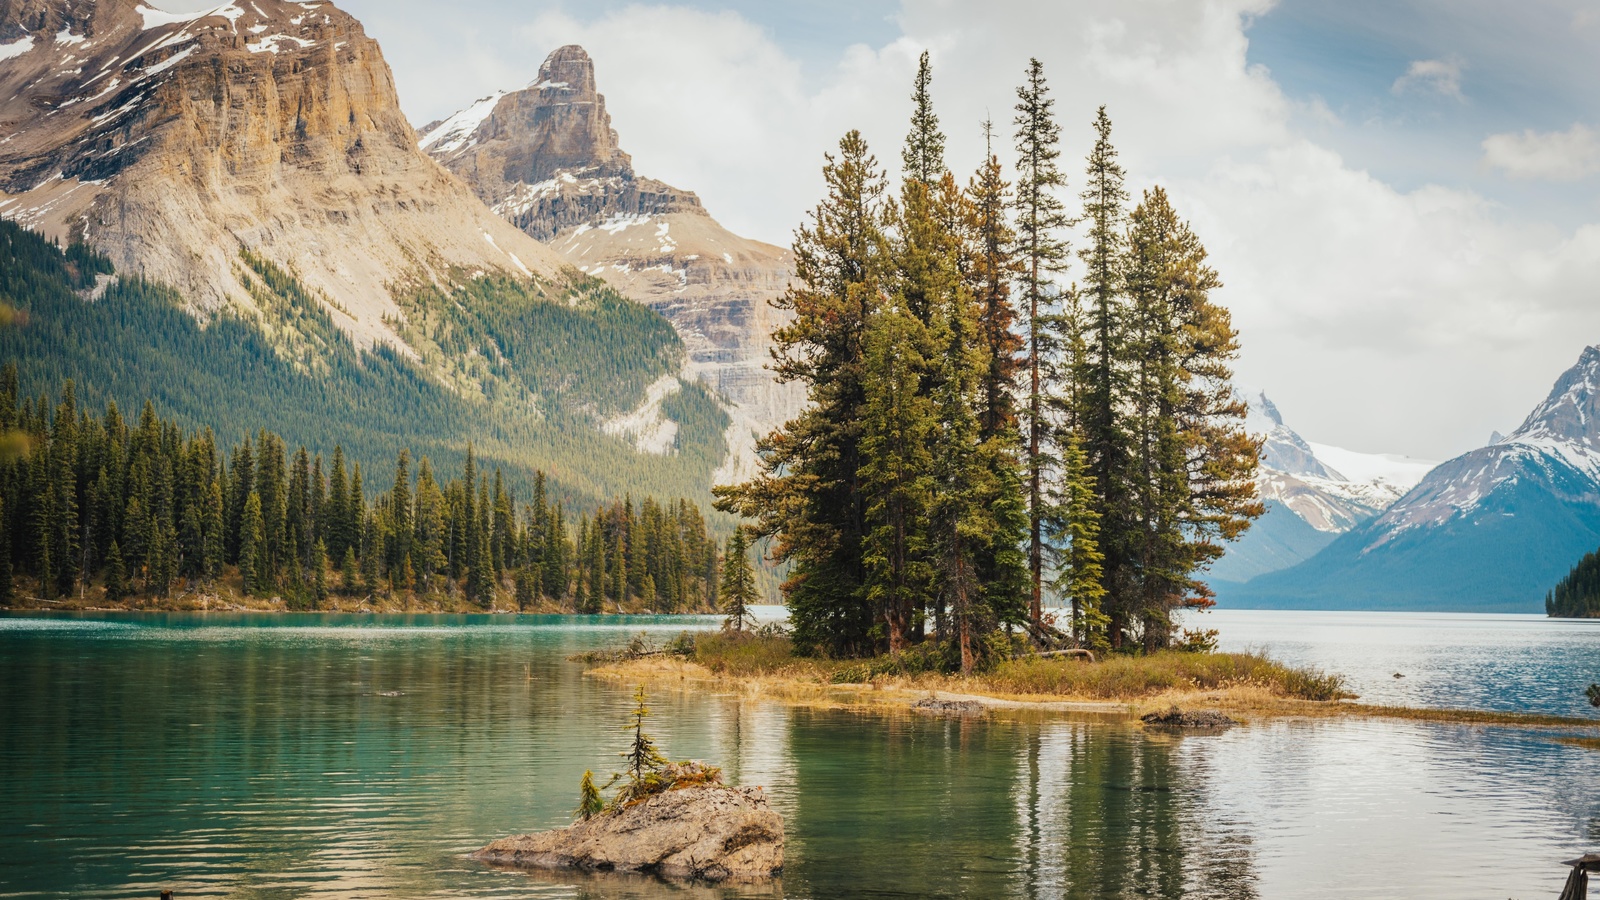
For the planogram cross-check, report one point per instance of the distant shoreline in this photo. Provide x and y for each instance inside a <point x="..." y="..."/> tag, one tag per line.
<point x="893" y="693"/>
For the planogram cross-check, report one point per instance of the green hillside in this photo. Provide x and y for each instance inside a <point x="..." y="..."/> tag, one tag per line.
<point x="521" y="370"/>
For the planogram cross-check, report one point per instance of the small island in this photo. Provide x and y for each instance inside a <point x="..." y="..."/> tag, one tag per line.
<point x="676" y="820"/>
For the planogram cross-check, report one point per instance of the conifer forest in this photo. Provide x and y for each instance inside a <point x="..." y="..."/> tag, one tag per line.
<point x="999" y="421"/>
<point x="147" y="510"/>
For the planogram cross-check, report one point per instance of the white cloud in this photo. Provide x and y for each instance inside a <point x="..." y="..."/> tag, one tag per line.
<point x="1431" y="76"/>
<point x="1554" y="155"/>
<point x="1380" y="319"/>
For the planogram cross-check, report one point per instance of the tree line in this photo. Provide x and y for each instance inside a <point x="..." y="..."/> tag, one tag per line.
<point x="984" y="432"/>
<point x="1577" y="594"/>
<point x="143" y="508"/>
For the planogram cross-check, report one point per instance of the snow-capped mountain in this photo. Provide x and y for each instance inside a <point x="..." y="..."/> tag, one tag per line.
<point x="547" y="159"/>
<point x="1491" y="529"/>
<point x="1313" y="493"/>
<point x="172" y="141"/>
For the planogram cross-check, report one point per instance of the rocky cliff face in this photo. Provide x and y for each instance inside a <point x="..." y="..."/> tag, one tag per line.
<point x="170" y="142"/>
<point x="547" y="159"/>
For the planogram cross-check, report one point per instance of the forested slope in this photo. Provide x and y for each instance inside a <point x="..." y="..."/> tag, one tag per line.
<point x="533" y="370"/>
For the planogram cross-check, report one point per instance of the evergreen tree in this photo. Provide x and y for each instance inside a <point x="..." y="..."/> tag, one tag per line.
<point x="525" y="588"/>
<point x="431" y="531"/>
<point x="214" y="540"/>
<point x="641" y="759"/>
<point x="1192" y="483"/>
<point x="7" y="588"/>
<point x="923" y="156"/>
<point x="1103" y="376"/>
<point x="319" y="575"/>
<point x="348" y="571"/>
<point x="589" y="802"/>
<point x="1078" y="564"/>
<point x="338" y="531"/>
<point x="251" y="539"/>
<point x="116" y="578"/>
<point x="738" y="589"/>
<point x="1042" y="254"/>
<point x="897" y="430"/>
<point x="399" y="507"/>
<point x="807" y="493"/>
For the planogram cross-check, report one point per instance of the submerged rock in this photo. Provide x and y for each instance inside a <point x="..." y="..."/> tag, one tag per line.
<point x="712" y="832"/>
<point x="938" y="705"/>
<point x="1178" y="718"/>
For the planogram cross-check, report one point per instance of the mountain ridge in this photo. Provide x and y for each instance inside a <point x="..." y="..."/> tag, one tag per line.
<point x="548" y="159"/>
<point x="1490" y="530"/>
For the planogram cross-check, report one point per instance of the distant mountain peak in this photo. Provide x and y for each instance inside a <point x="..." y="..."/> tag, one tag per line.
<point x="546" y="156"/>
<point x="171" y="142"/>
<point x="1571" y="413"/>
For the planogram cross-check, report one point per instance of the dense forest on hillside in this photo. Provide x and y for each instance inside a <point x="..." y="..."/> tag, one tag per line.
<point x="144" y="509"/>
<point x="545" y="366"/>
<point x="1577" y="596"/>
<point x="982" y="431"/>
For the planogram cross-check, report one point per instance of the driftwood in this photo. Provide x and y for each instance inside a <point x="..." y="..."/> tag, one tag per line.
<point x="1076" y="652"/>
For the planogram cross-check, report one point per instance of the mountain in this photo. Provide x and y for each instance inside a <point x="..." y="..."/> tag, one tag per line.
<point x="1313" y="494"/>
<point x="250" y="167"/>
<point x="547" y="159"/>
<point x="1488" y="531"/>
<point x="169" y="141"/>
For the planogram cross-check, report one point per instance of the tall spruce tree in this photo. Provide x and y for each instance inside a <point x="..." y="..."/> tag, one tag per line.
<point x="807" y="492"/>
<point x="1042" y="254"/>
<point x="1193" y="466"/>
<point x="737" y="591"/>
<point x="1102" y="375"/>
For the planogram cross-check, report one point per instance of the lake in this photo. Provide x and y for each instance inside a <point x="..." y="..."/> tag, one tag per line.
<point x="363" y="756"/>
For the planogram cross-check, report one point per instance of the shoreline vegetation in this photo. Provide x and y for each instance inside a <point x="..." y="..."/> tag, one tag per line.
<point x="1247" y="685"/>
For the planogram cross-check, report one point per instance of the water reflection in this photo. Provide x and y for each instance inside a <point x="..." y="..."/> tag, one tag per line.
<point x="274" y="758"/>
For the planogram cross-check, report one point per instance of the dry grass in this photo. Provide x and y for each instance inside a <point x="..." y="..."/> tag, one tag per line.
<point x="1243" y="684"/>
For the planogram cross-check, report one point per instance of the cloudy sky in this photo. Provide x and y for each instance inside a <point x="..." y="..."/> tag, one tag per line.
<point x="1402" y="196"/>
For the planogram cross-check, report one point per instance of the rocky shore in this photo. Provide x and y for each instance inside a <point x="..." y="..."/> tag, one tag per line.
<point x="710" y="832"/>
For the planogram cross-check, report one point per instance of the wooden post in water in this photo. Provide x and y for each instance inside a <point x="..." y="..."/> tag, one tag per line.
<point x="1578" y="882"/>
<point x="166" y="895"/>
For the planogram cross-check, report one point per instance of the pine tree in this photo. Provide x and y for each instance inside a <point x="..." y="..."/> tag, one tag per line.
<point x="336" y="511"/>
<point x="319" y="575"/>
<point x="251" y="539"/>
<point x="589" y="802"/>
<point x="116" y="578"/>
<point x="399" y="506"/>
<point x="806" y="493"/>
<point x="897" y="428"/>
<point x="1078" y="563"/>
<point x="348" y="572"/>
<point x="212" y="545"/>
<point x="641" y="758"/>
<point x="1042" y="254"/>
<point x="525" y="583"/>
<point x="738" y="589"/>
<point x="1193" y="466"/>
<point x="923" y="156"/>
<point x="7" y="588"/>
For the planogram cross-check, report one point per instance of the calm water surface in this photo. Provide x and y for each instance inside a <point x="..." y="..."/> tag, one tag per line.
<point x="310" y="756"/>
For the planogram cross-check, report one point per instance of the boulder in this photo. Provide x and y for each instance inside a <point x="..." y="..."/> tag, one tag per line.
<point x="711" y="832"/>
<point x="1204" y="719"/>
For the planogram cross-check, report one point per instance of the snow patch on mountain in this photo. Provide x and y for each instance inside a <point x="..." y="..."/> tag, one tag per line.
<point x="1331" y="488"/>
<point x="457" y="132"/>
<point x="1558" y="445"/>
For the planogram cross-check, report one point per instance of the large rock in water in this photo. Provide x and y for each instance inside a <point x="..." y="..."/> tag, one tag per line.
<point x="711" y="832"/>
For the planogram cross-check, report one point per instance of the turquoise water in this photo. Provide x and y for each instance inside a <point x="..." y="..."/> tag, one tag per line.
<point x="327" y="756"/>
